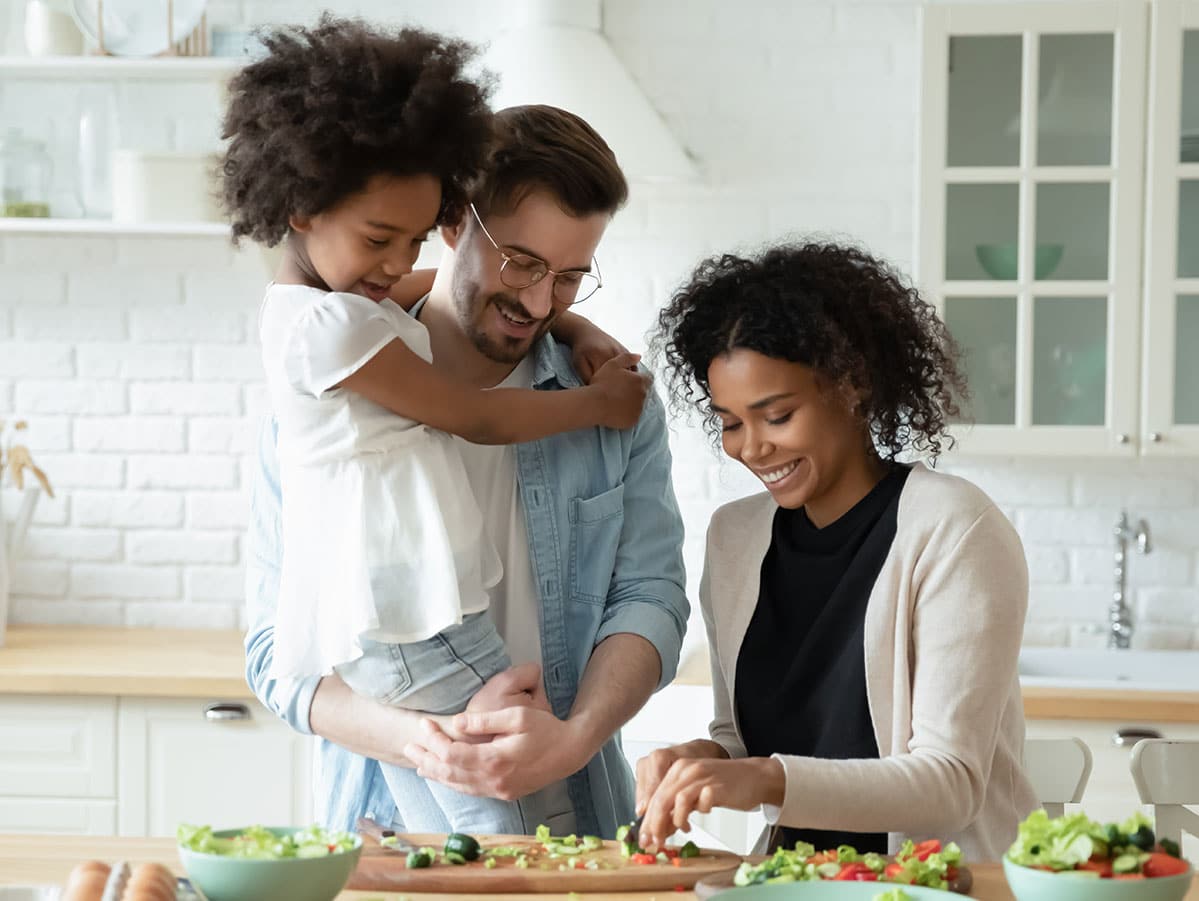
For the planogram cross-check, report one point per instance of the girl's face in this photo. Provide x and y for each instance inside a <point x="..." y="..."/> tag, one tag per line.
<point x="794" y="433"/>
<point x="366" y="243"/>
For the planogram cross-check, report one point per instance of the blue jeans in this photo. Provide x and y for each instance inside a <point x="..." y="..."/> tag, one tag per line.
<point x="438" y="675"/>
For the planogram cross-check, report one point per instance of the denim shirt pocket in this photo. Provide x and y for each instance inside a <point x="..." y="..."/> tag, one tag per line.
<point x="595" y="527"/>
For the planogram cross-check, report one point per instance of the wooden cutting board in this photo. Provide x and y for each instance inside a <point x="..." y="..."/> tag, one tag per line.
<point x="385" y="870"/>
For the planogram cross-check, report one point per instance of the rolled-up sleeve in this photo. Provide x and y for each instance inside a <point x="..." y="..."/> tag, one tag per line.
<point x="647" y="595"/>
<point x="289" y="699"/>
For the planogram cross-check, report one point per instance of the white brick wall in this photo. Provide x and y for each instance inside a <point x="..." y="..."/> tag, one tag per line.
<point x="134" y="358"/>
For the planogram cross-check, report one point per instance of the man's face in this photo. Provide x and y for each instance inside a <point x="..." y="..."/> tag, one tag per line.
<point x="503" y="322"/>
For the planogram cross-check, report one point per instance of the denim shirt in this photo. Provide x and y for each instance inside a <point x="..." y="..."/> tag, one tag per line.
<point x="605" y="538"/>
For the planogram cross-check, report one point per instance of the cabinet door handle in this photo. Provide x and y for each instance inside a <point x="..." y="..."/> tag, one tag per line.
<point x="222" y="712"/>
<point x="1127" y="737"/>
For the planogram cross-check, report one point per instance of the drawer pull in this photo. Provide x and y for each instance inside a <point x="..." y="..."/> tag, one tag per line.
<point x="1127" y="737"/>
<point x="226" y="713"/>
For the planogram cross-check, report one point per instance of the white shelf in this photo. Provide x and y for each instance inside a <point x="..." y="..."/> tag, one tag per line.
<point x="108" y="227"/>
<point x="87" y="67"/>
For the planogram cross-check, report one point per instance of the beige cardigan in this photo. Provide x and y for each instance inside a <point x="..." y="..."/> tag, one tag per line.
<point x="943" y="629"/>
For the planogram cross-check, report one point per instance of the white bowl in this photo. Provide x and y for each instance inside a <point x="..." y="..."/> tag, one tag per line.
<point x="137" y="28"/>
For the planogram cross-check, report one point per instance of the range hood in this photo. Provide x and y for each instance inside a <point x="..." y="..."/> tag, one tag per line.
<point x="553" y="52"/>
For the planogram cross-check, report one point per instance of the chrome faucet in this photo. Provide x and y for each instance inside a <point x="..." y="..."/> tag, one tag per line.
<point x="1119" y="616"/>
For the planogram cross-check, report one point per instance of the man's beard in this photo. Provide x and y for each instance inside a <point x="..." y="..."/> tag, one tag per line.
<point x="500" y="348"/>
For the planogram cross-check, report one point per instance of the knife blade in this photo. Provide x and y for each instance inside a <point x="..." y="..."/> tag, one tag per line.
<point x="378" y="833"/>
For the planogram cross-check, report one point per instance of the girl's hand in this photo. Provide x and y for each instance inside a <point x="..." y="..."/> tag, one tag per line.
<point x="698" y="785"/>
<point x="652" y="768"/>
<point x="620" y="389"/>
<point x="593" y="348"/>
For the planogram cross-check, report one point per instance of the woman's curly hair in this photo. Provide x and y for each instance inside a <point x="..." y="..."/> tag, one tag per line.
<point x="836" y="309"/>
<point x="331" y="106"/>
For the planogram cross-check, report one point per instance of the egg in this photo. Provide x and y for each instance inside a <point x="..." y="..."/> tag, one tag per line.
<point x="86" y="882"/>
<point x="150" y="882"/>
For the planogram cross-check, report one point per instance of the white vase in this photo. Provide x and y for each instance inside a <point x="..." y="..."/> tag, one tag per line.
<point x="50" y="30"/>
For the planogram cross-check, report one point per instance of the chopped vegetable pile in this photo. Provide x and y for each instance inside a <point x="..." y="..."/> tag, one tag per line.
<point x="1078" y="845"/>
<point x="927" y="863"/>
<point x="896" y="894"/>
<point x="568" y="852"/>
<point x="259" y="843"/>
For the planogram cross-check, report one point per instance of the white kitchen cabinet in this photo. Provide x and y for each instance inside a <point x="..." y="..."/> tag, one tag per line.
<point x="1170" y="397"/>
<point x="137" y="766"/>
<point x="1110" y="795"/>
<point x="228" y="764"/>
<point x="1070" y="280"/>
<point x="58" y="765"/>
<point x="57" y="747"/>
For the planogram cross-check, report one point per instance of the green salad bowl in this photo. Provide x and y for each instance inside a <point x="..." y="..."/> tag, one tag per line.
<point x="224" y="878"/>
<point x="1028" y="884"/>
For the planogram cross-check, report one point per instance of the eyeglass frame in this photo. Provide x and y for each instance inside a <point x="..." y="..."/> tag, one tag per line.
<point x="508" y="258"/>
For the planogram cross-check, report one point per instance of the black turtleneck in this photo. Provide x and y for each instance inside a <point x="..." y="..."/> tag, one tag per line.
<point x="801" y="673"/>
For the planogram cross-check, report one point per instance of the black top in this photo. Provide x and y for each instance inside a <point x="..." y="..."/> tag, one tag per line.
<point x="801" y="673"/>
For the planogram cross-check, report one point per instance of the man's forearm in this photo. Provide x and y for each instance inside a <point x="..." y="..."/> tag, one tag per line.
<point x="620" y="677"/>
<point x="362" y="725"/>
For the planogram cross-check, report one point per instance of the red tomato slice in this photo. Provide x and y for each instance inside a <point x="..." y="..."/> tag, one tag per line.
<point x="925" y="849"/>
<point x="643" y="858"/>
<point x="856" y="872"/>
<point x="1101" y="865"/>
<point x="1160" y="864"/>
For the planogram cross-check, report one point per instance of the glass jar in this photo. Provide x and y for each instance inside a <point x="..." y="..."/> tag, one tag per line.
<point x="25" y="171"/>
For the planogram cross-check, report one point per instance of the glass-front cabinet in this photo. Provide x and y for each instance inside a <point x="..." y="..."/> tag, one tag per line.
<point x="1170" y="398"/>
<point x="1034" y="234"/>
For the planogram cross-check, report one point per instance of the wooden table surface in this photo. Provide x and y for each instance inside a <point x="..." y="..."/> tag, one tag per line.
<point x="47" y="859"/>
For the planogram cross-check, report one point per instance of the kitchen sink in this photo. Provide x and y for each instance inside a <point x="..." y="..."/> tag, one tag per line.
<point x="1095" y="668"/>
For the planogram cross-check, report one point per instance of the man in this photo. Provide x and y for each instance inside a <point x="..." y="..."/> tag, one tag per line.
<point x="585" y="522"/>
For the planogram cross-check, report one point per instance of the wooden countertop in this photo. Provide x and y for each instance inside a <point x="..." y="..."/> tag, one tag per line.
<point x="195" y="663"/>
<point x="46" y="859"/>
<point x="90" y="660"/>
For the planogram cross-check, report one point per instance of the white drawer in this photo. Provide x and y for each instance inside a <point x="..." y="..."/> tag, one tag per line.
<point x="57" y="747"/>
<point x="69" y="816"/>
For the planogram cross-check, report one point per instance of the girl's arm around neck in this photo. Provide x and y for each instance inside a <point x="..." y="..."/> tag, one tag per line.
<point x="401" y="381"/>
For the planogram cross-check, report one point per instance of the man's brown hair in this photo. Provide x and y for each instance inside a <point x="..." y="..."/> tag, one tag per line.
<point x="540" y="147"/>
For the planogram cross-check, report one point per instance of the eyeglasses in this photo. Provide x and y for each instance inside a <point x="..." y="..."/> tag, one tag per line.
<point x="520" y="270"/>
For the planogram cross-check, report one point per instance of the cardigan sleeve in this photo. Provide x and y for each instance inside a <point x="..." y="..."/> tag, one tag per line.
<point x="722" y="729"/>
<point x="967" y="627"/>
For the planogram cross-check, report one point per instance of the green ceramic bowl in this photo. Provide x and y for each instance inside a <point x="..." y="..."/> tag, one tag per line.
<point x="1037" y="885"/>
<point x="223" y="878"/>
<point x="999" y="260"/>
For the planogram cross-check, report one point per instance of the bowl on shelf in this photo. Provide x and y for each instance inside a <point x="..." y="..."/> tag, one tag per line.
<point x="225" y="878"/>
<point x="1028" y="884"/>
<point x="999" y="260"/>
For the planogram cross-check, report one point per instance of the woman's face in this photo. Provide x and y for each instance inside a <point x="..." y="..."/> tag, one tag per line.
<point x="794" y="433"/>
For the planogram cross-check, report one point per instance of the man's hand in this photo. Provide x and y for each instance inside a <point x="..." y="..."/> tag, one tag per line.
<point x="698" y="785"/>
<point x="518" y="686"/>
<point x="529" y="749"/>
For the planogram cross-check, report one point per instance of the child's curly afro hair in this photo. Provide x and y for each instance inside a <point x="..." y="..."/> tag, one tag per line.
<point x="331" y="106"/>
<point x="836" y="309"/>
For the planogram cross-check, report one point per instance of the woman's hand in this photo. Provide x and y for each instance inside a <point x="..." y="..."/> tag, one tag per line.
<point x="652" y="768"/>
<point x="693" y="785"/>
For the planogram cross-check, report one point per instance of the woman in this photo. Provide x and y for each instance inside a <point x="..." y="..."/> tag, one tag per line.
<point x="864" y="616"/>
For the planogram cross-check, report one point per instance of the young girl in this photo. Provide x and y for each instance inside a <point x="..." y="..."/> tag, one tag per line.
<point x="351" y="144"/>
